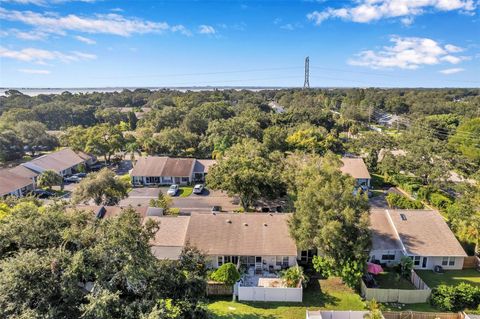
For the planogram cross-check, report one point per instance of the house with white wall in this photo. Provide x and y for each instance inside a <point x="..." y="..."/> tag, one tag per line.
<point x="12" y="184"/>
<point x="355" y="167"/>
<point x="422" y="235"/>
<point x="64" y="162"/>
<point x="254" y="240"/>
<point x="161" y="170"/>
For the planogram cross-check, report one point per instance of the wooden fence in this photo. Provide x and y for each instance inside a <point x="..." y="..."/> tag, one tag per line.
<point x="420" y="315"/>
<point x="419" y="295"/>
<point x="471" y="262"/>
<point x="417" y="281"/>
<point x="218" y="289"/>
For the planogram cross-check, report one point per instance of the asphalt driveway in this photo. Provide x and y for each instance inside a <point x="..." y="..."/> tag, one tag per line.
<point x="192" y="203"/>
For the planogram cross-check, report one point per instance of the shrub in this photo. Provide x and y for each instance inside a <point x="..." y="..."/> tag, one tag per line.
<point x="293" y="276"/>
<point x="439" y="200"/>
<point x="402" y="202"/>
<point x="406" y="266"/>
<point x="226" y="273"/>
<point x="456" y="298"/>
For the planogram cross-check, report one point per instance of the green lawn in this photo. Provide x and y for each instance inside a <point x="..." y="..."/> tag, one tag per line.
<point x="185" y="191"/>
<point x="450" y="277"/>
<point x="393" y="280"/>
<point x="320" y="294"/>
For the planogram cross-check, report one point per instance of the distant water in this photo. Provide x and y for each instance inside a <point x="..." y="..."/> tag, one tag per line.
<point x="38" y="91"/>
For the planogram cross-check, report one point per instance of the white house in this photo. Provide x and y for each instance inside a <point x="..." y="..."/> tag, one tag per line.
<point x="65" y="162"/>
<point x="159" y="170"/>
<point x="422" y="235"/>
<point x="254" y="240"/>
<point x="14" y="184"/>
<point x="355" y="167"/>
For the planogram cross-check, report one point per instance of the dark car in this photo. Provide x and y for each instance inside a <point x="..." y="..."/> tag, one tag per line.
<point x="216" y="209"/>
<point x="40" y="193"/>
<point x="81" y="175"/>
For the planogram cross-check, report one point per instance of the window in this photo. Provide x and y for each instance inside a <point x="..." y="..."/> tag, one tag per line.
<point x="285" y="261"/>
<point x="416" y="260"/>
<point x="444" y="261"/>
<point x="227" y="259"/>
<point x="258" y="259"/>
<point x="388" y="257"/>
<point x="184" y="179"/>
<point x="448" y="261"/>
<point x="220" y="261"/>
<point x="278" y="260"/>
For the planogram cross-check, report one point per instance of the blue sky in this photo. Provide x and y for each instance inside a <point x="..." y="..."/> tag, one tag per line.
<point x="98" y="43"/>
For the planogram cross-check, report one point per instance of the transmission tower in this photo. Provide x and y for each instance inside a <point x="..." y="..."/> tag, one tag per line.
<point x="306" y="84"/>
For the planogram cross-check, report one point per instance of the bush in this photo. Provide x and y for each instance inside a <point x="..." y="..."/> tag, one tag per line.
<point x="456" y="298"/>
<point x="293" y="276"/>
<point x="439" y="200"/>
<point x="402" y="202"/>
<point x="226" y="273"/>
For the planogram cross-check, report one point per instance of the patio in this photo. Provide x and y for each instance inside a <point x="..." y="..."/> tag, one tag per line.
<point x="265" y="279"/>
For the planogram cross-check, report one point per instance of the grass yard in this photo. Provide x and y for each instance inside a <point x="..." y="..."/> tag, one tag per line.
<point x="393" y="280"/>
<point x="320" y="294"/>
<point x="450" y="277"/>
<point x="185" y="191"/>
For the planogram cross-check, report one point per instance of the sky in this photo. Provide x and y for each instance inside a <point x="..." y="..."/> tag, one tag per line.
<point x="146" y="43"/>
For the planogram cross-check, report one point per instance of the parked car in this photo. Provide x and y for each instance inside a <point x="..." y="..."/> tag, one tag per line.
<point x="40" y="193"/>
<point x="198" y="189"/>
<point x="81" y="175"/>
<point x="97" y="166"/>
<point x="72" y="179"/>
<point x="173" y="190"/>
<point x="216" y="209"/>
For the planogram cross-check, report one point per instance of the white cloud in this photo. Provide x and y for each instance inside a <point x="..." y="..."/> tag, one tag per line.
<point x="40" y="56"/>
<point x="34" y="71"/>
<point x="364" y="11"/>
<point x="181" y="29"/>
<point x="111" y="23"/>
<point x="452" y="71"/>
<point x="407" y="53"/>
<point x="206" y="29"/>
<point x="85" y="40"/>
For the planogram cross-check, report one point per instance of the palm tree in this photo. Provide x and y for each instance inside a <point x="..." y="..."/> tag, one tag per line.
<point x="49" y="178"/>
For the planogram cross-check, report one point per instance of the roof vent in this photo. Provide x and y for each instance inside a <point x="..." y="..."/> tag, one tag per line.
<point x="265" y="224"/>
<point x="214" y="213"/>
<point x="245" y="224"/>
<point x="229" y="221"/>
<point x="270" y="214"/>
<point x="403" y="216"/>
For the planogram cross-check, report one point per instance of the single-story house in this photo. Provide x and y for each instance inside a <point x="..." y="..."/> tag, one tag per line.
<point x="14" y="184"/>
<point x="355" y="167"/>
<point x="111" y="211"/>
<point x="64" y="162"/>
<point x="24" y="172"/>
<point x="159" y="170"/>
<point x="254" y="240"/>
<point x="422" y="235"/>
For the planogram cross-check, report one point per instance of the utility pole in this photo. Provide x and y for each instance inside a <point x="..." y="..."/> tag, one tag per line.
<point x="306" y="84"/>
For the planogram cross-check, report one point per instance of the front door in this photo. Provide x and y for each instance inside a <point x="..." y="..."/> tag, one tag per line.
<point x="258" y="263"/>
<point x="424" y="262"/>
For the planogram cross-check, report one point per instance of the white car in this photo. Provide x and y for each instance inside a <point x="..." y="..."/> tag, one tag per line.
<point x="173" y="190"/>
<point x="198" y="189"/>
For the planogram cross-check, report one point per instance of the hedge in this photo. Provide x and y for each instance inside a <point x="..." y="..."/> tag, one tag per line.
<point x="402" y="202"/>
<point x="456" y="298"/>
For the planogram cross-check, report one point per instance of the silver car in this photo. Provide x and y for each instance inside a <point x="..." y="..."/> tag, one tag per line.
<point x="173" y="190"/>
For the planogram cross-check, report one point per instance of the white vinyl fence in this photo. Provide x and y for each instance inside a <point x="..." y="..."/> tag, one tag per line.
<point x="270" y="294"/>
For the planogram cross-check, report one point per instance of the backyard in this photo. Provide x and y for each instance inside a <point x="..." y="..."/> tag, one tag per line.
<point x="393" y="280"/>
<point x="320" y="294"/>
<point x="450" y="277"/>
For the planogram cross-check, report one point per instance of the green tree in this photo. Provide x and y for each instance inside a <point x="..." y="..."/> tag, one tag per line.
<point x="102" y="187"/>
<point x="226" y="273"/>
<point x="11" y="146"/>
<point x="246" y="171"/>
<point x="104" y="140"/>
<point x="33" y="135"/>
<point x="329" y="216"/>
<point x="466" y="139"/>
<point x="49" y="178"/>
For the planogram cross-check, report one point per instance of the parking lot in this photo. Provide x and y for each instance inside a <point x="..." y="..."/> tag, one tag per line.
<point x="192" y="203"/>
